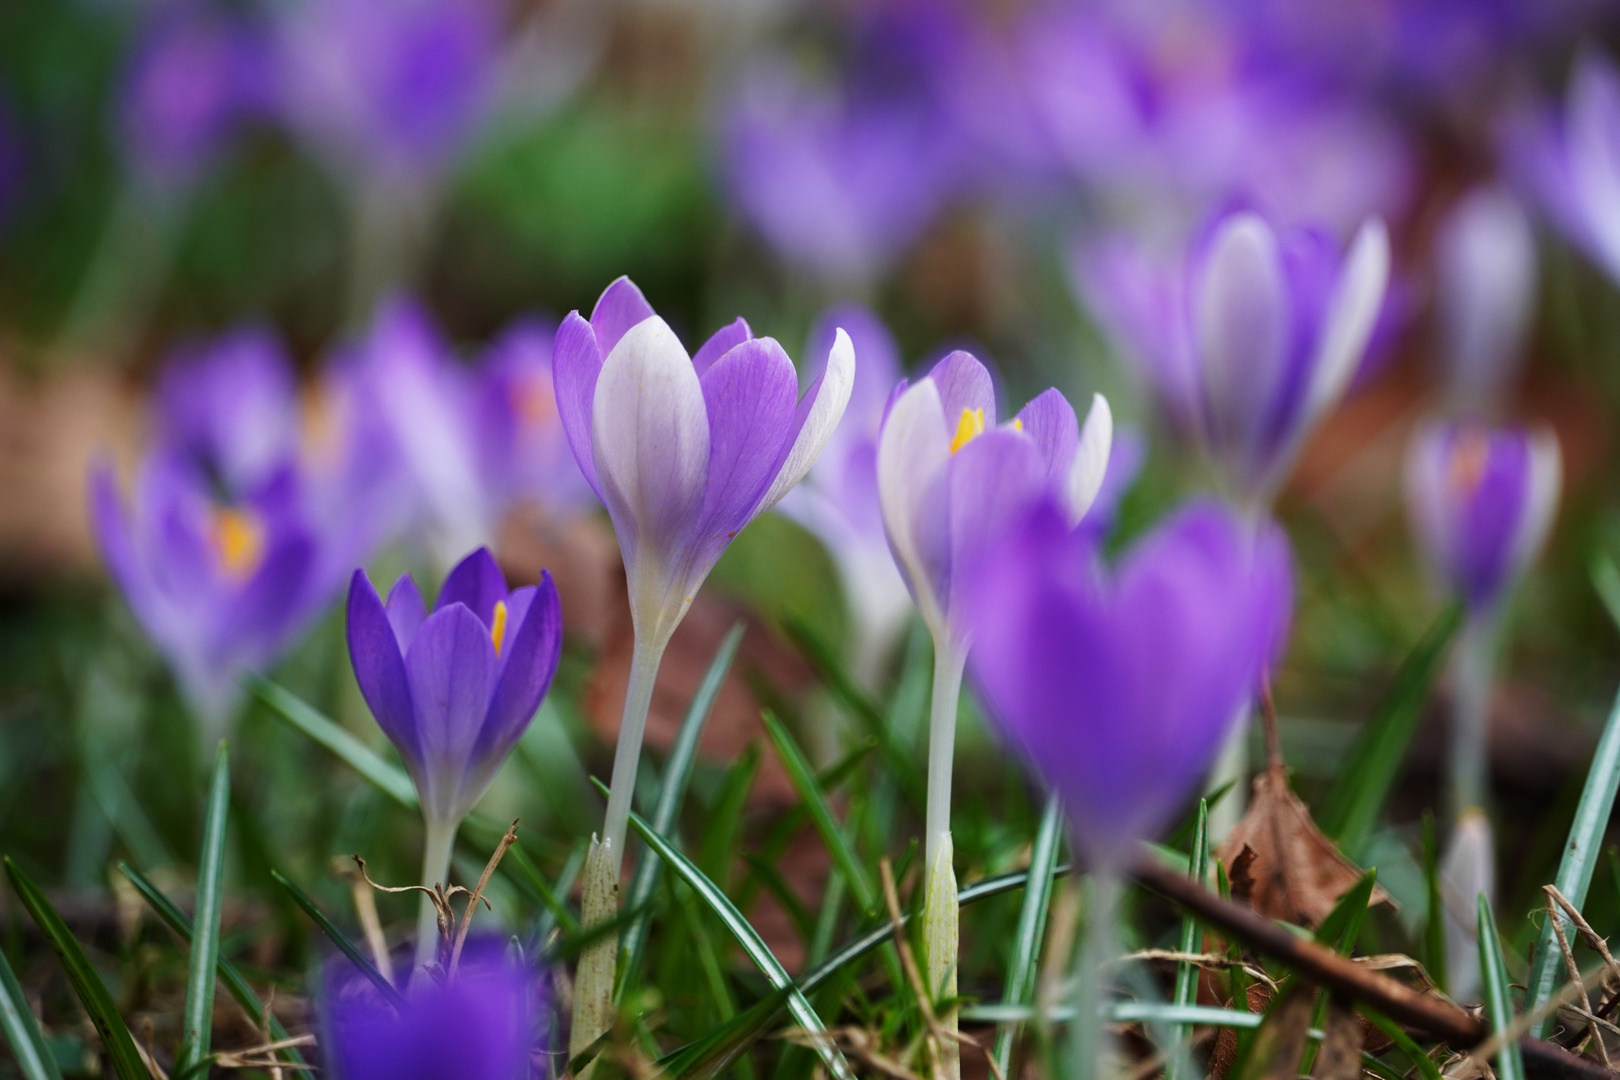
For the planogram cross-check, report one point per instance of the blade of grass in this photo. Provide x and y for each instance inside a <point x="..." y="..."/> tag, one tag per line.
<point x="361" y="758"/>
<point x="1498" y="1003"/>
<point x="1434" y="933"/>
<point x="87" y="985"/>
<point x="1186" y="989"/>
<point x="751" y="943"/>
<point x="28" y="1047"/>
<point x="1031" y="932"/>
<point x="1575" y="868"/>
<point x="229" y="974"/>
<point x="719" y="842"/>
<point x="1364" y="783"/>
<point x="677" y="772"/>
<point x="713" y="1054"/>
<point x="197" y="1021"/>
<point x="1403" y="1042"/>
<point x="1339" y="932"/>
<point x="808" y="787"/>
<point x="339" y="938"/>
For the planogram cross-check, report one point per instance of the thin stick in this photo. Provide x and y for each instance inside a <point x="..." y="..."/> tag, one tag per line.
<point x="1576" y="979"/>
<point x="478" y="894"/>
<point x="365" y="908"/>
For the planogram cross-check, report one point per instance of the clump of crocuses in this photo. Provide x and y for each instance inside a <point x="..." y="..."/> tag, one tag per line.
<point x="684" y="451"/>
<point x="455" y="689"/>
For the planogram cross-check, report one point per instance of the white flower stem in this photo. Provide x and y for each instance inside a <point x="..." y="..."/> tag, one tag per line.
<point x="1473" y="666"/>
<point x="948" y="664"/>
<point x="941" y="938"/>
<point x="439" y="842"/>
<point x="1089" y="1047"/>
<point x="632" y="726"/>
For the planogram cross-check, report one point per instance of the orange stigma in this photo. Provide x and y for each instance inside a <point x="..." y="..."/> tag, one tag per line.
<point x="497" y="629"/>
<point x="238" y="537"/>
<point x="970" y="425"/>
<point x="535" y="402"/>
<point x="1469" y="456"/>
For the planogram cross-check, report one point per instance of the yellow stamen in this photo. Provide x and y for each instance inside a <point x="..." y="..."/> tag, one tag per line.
<point x="970" y="425"/>
<point x="497" y="631"/>
<point x="1018" y="425"/>
<point x="239" y="538"/>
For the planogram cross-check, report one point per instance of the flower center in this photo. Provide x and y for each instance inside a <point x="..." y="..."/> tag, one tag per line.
<point x="535" y="402"/>
<point x="238" y="537"/>
<point x="967" y="428"/>
<point x="1469" y="456"/>
<point x="497" y="629"/>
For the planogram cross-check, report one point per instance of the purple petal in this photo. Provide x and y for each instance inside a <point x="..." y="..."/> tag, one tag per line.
<point x="272" y="605"/>
<point x="964" y="384"/>
<point x="406" y="611"/>
<point x="451" y="669"/>
<point x="620" y="307"/>
<point x="117" y="541"/>
<point x="877" y="366"/>
<point x="478" y="583"/>
<point x="379" y="668"/>
<point x="576" y="362"/>
<point x="721" y="342"/>
<point x="528" y="661"/>
<point x="1050" y="423"/>
<point x="992" y="483"/>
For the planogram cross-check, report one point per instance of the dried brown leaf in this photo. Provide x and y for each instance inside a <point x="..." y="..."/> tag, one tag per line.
<point x="1340" y="1056"/>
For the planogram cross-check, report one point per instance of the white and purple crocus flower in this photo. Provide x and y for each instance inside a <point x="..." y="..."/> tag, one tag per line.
<point x="684" y="451"/>
<point x="453" y="689"/>
<point x="1485" y="291"/>
<point x="1250" y="339"/>
<point x="1481" y="503"/>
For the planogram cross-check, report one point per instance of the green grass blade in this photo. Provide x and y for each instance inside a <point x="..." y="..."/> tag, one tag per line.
<point x="677" y="772"/>
<point x="1364" y="783"/>
<point x="28" y="1047"/>
<point x="1575" y="868"/>
<point x="392" y="781"/>
<point x="338" y="938"/>
<point x="235" y="983"/>
<point x="197" y="1021"/>
<point x="1186" y="989"/>
<point x="1342" y="926"/>
<point x="717" y="1051"/>
<point x="1403" y="1042"/>
<point x="1498" y="1003"/>
<point x="808" y="787"/>
<point x="1606" y="580"/>
<point x="1434" y="932"/>
<point x="87" y="985"/>
<point x="1030" y="935"/>
<point x="719" y="843"/>
<point x="751" y="943"/>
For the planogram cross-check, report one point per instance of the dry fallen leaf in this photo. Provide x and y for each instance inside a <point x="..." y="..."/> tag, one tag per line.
<point x="1340" y="1056"/>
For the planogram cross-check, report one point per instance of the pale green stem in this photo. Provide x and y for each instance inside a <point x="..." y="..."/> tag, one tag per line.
<point x="1089" y="1046"/>
<point x="941" y="944"/>
<point x="632" y="726"/>
<point x="440" y="840"/>
<point x="1472" y="672"/>
<point x="949" y="661"/>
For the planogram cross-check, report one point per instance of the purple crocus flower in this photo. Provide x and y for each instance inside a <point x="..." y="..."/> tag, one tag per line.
<point x="1251" y="339"/>
<point x="479" y="1023"/>
<point x="1118" y="688"/>
<point x="454" y="689"/>
<point x="230" y="406"/>
<point x="1481" y="503"/>
<point x="1485" y="284"/>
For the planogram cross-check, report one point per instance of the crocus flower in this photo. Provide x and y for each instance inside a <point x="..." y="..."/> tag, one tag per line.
<point x="1485" y="283"/>
<point x="230" y="407"/>
<point x="1250" y="340"/>
<point x="479" y="1023"/>
<point x="684" y="451"/>
<point x="1118" y="688"/>
<point x="454" y="689"/>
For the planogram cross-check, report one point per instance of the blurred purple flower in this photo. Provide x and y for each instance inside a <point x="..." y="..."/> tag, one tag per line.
<point x="1250" y="339"/>
<point x="478" y="1024"/>
<point x="1126" y="457"/>
<point x="222" y="587"/>
<point x="1481" y="502"/>
<point x="1485" y="284"/>
<point x="949" y="477"/>
<point x="391" y="90"/>
<point x="456" y="688"/>
<point x="1119" y="688"/>
<point x="230" y="406"/>
<point x="199" y="71"/>
<point x="522" y="445"/>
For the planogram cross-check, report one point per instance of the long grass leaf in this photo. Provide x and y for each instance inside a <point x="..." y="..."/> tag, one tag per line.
<point x="713" y="1054"/>
<point x="1186" y="988"/>
<point x="1030" y="935"/>
<point x="1575" y="868"/>
<point x="1403" y="1042"/>
<point x="1364" y="783"/>
<point x="808" y="787"/>
<point x="338" y="937"/>
<point x="751" y="943"/>
<point x="677" y="772"/>
<point x="1434" y="930"/>
<point x="235" y="983"/>
<point x="197" y="1021"/>
<point x="87" y="985"/>
<point x="28" y="1047"/>
<point x="1498" y="1003"/>
<point x="392" y="781"/>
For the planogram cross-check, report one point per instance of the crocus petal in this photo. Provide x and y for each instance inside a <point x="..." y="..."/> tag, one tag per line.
<point x="116" y="539"/>
<point x="379" y="668"/>
<point x="406" y="611"/>
<point x="266" y="611"/>
<point x="963" y="383"/>
<point x="620" y="307"/>
<point x="1242" y="325"/>
<point x="650" y="436"/>
<point x="914" y="452"/>
<point x="993" y="481"/>
<point x="477" y="582"/>
<point x="576" y="364"/>
<point x="721" y="342"/>
<point x="1541" y="500"/>
<point x="1352" y="313"/>
<point x="451" y="669"/>
<point x="1050" y="423"/>
<point x="1593" y="140"/>
<point x="815" y="420"/>
<point x="528" y="661"/>
<point x="1090" y="467"/>
<point x="1485" y="276"/>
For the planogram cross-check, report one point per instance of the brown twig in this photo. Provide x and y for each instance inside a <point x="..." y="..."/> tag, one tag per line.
<point x="478" y="894"/>
<point x="1576" y="979"/>
<point x="365" y="907"/>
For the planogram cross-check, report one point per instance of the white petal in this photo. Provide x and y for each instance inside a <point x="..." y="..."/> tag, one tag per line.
<point x="650" y="436"/>
<point x="1090" y="459"/>
<point x="1540" y="501"/>
<point x="1241" y="326"/>
<point x="1351" y="315"/>
<point x="1485" y="278"/>
<point x="832" y="395"/>
<point x="913" y="452"/>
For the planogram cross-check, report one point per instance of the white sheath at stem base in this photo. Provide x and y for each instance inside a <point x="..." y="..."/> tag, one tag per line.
<point x="593" y="980"/>
<point x="940" y="945"/>
<point x="437" y="844"/>
<point x="1090" y="1044"/>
